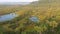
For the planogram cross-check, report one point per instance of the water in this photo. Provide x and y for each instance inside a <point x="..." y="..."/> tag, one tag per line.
<point x="8" y="16"/>
<point x="34" y="19"/>
<point x="13" y="15"/>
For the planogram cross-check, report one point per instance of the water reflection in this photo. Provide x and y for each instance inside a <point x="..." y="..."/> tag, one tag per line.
<point x="7" y="16"/>
<point x="34" y="19"/>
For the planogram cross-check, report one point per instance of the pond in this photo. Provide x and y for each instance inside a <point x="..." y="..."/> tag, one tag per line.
<point x="34" y="19"/>
<point x="8" y="16"/>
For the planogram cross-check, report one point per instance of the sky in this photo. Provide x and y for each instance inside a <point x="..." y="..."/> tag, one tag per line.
<point x="17" y="0"/>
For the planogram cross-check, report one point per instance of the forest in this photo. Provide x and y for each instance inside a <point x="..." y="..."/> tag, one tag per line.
<point x="40" y="17"/>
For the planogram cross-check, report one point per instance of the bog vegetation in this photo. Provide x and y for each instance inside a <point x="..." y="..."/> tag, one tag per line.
<point x="40" y="17"/>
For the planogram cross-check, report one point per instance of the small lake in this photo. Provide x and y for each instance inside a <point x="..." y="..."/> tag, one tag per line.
<point x="8" y="16"/>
